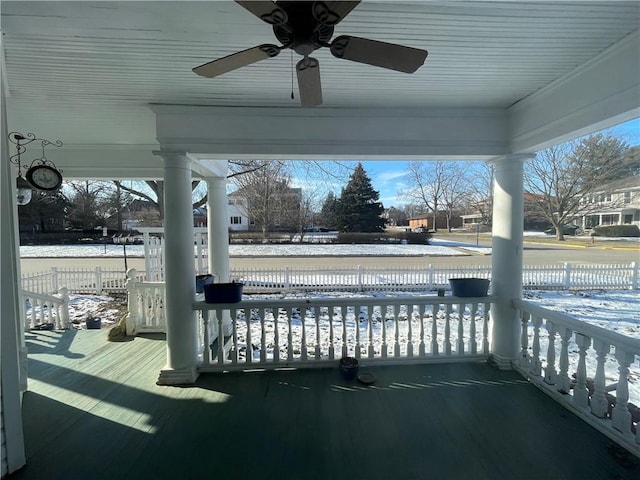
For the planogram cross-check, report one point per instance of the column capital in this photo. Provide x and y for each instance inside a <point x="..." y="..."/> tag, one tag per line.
<point x="512" y="157"/>
<point x="170" y="154"/>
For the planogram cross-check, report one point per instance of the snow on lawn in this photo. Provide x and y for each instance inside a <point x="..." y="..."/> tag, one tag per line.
<point x="292" y="250"/>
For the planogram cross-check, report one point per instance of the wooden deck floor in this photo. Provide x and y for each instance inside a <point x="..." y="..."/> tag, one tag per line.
<point x="94" y="412"/>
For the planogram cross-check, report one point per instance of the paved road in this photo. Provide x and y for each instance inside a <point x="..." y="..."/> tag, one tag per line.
<point x="534" y="254"/>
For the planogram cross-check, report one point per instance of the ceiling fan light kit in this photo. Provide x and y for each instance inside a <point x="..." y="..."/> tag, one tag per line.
<point x="304" y="27"/>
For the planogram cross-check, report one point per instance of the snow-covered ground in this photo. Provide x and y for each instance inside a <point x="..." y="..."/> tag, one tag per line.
<point x="438" y="248"/>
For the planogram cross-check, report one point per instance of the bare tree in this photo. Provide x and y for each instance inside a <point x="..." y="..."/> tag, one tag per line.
<point x="478" y="197"/>
<point x="264" y="185"/>
<point x="454" y="190"/>
<point x="561" y="177"/>
<point x="428" y="182"/>
<point x="87" y="204"/>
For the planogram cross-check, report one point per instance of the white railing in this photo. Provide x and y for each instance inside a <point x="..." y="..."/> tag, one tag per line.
<point x="46" y="310"/>
<point x="146" y="305"/>
<point x="77" y="280"/>
<point x="567" y="276"/>
<point x="256" y="280"/>
<point x="316" y="331"/>
<point x="566" y="358"/>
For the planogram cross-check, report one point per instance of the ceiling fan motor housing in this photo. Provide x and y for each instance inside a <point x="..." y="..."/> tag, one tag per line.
<point x="302" y="32"/>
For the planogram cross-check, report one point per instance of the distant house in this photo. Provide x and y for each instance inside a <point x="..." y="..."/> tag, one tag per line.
<point x="480" y="218"/>
<point x="615" y="203"/>
<point x="283" y="212"/>
<point x="238" y="215"/>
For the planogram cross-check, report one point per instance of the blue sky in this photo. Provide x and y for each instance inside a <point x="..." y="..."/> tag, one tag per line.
<point x="388" y="177"/>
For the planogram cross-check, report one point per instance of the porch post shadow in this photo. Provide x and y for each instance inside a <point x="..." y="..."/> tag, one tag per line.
<point x="179" y="272"/>
<point x="506" y="257"/>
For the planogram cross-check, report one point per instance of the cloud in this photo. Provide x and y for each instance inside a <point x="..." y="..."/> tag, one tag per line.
<point x="388" y="176"/>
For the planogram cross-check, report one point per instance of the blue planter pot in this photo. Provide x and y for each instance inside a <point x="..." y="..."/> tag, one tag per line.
<point x="223" y="292"/>
<point x="202" y="280"/>
<point x="349" y="368"/>
<point x="469" y="287"/>
<point x="93" y="324"/>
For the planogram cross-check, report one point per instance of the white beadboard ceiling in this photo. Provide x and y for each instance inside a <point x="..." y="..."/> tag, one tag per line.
<point x="87" y="71"/>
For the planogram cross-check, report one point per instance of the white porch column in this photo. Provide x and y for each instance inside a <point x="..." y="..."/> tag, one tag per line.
<point x="506" y="257"/>
<point x="218" y="228"/>
<point x="12" y="350"/>
<point x="218" y="233"/>
<point x="179" y="272"/>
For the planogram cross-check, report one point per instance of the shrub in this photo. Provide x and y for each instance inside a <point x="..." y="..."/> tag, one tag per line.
<point x="616" y="231"/>
<point x="383" y="237"/>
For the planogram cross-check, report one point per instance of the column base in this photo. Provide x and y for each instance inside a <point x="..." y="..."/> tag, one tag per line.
<point x="501" y="362"/>
<point x="172" y="376"/>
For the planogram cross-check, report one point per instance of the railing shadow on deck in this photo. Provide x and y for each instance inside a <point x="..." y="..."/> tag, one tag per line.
<point x="53" y="342"/>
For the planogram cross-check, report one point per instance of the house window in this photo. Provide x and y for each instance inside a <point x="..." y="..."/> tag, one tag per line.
<point x="628" y="219"/>
<point x="236" y="220"/>
<point x="627" y="197"/>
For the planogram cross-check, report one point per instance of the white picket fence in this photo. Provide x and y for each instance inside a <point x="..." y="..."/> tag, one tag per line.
<point x="567" y="276"/>
<point x="566" y="358"/>
<point x="256" y="280"/>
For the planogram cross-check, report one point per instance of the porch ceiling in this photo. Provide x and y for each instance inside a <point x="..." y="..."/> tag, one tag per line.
<point x="86" y="72"/>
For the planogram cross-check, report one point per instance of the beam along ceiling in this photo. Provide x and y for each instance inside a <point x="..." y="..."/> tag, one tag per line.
<point x="86" y="72"/>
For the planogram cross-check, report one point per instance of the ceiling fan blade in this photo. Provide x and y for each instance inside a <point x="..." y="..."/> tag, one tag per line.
<point x="380" y="54"/>
<point x="308" y="70"/>
<point x="331" y="13"/>
<point x="266" y="11"/>
<point x="236" y="60"/>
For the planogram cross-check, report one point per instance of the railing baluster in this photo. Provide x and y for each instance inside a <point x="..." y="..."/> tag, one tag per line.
<point x="206" y="352"/>
<point x="235" y="358"/>
<point x="370" y="312"/>
<point x="550" y="370"/>
<point x="396" y="343"/>
<point x="435" y="313"/>
<point x="303" y="350"/>
<point x="620" y="416"/>
<point x="290" y="333"/>
<point x="524" y="361"/>
<point x="447" y="331"/>
<point x="217" y="315"/>
<point x="332" y="339"/>
<point x="460" y="340"/>
<point x="409" y="308"/>
<point x="276" y="335"/>
<point x="316" y="318"/>
<point x="563" y="380"/>
<point x="385" y="347"/>
<point x="248" y="358"/>
<point x="345" y="351"/>
<point x="421" y="315"/>
<point x="536" y="364"/>
<point x="263" y="336"/>
<point x="473" y="341"/>
<point x="485" y="328"/>
<point x="580" y="390"/>
<point x="599" y="402"/>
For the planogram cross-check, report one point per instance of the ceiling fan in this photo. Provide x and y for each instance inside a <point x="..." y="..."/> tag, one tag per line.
<point x="304" y="27"/>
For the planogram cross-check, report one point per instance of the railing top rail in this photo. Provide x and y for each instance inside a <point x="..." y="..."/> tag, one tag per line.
<point x="629" y="344"/>
<point x="338" y="302"/>
<point x="42" y="296"/>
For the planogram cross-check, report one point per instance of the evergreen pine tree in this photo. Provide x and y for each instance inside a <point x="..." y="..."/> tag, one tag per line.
<point x="358" y="206"/>
<point x="329" y="213"/>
